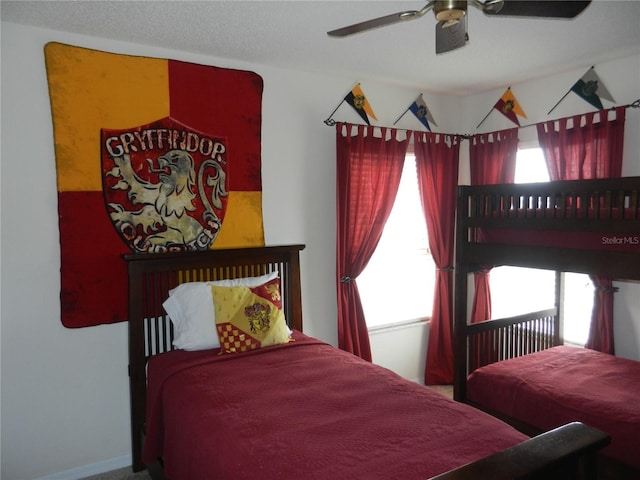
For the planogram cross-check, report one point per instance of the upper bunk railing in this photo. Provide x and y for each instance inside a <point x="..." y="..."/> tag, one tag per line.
<point x="612" y="203"/>
<point x="578" y="221"/>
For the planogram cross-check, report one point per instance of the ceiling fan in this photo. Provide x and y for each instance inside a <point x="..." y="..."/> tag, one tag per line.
<point x="451" y="30"/>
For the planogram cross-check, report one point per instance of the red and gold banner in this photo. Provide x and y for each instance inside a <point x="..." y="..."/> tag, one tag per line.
<point x="152" y="155"/>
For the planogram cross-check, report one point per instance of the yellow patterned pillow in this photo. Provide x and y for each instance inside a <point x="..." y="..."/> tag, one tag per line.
<point x="249" y="317"/>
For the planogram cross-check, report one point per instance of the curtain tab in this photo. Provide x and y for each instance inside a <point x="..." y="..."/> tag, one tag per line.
<point x="607" y="289"/>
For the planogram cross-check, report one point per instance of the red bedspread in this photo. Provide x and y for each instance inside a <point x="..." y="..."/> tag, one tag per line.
<point x="562" y="384"/>
<point x="305" y="410"/>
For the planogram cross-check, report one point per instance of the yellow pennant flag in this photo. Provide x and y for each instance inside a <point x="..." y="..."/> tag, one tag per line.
<point x="359" y="102"/>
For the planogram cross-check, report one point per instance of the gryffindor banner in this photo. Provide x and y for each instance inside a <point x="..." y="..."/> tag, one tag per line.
<point x="152" y="155"/>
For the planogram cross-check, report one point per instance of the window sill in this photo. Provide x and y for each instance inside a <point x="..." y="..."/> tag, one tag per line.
<point x="389" y="327"/>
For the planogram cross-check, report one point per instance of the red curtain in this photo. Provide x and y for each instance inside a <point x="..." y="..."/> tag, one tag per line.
<point x="437" y="165"/>
<point x="368" y="175"/>
<point x="577" y="148"/>
<point x="481" y="309"/>
<point x="585" y="149"/>
<point x="492" y="160"/>
<point x="601" y="328"/>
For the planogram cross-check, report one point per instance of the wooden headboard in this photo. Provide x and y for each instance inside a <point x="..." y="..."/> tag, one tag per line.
<point x="151" y="276"/>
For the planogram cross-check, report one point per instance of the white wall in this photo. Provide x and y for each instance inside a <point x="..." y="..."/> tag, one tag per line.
<point x="64" y="394"/>
<point x="402" y="349"/>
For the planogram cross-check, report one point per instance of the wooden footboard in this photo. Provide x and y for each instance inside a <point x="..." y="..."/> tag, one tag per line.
<point x="567" y="452"/>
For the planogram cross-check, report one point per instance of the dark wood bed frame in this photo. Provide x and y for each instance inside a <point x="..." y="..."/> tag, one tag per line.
<point x="151" y="276"/>
<point x="607" y="206"/>
<point x="556" y="454"/>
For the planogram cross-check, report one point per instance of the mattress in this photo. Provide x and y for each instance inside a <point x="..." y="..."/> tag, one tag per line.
<point x="549" y="388"/>
<point x="305" y="410"/>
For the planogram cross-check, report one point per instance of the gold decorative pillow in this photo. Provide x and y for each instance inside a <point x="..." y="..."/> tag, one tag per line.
<point x="249" y="317"/>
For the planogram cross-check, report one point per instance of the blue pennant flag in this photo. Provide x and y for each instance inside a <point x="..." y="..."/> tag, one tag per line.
<point x="422" y="113"/>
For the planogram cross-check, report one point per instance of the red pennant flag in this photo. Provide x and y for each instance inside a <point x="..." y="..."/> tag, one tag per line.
<point x="509" y="107"/>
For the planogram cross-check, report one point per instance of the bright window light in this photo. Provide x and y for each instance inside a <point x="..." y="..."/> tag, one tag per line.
<point x="398" y="283"/>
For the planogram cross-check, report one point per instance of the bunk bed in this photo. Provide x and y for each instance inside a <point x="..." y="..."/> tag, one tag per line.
<point x="517" y="368"/>
<point x="300" y="408"/>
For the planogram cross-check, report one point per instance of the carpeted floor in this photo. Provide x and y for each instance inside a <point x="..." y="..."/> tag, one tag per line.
<point x="446" y="390"/>
<point x="120" y="474"/>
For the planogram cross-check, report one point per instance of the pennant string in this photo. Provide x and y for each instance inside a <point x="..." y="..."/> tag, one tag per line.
<point x="485" y="117"/>
<point x="489" y="113"/>
<point x="635" y="104"/>
<point x="329" y="121"/>
<point x="558" y="103"/>
<point x="403" y="114"/>
<point x="568" y="92"/>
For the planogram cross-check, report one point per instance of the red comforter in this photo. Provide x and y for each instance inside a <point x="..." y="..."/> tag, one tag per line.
<point x="305" y="410"/>
<point x="562" y="384"/>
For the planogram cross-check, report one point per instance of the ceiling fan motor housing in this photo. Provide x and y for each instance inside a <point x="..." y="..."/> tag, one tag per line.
<point x="449" y="10"/>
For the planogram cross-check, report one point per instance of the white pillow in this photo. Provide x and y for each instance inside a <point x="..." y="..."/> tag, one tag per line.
<point x="190" y="308"/>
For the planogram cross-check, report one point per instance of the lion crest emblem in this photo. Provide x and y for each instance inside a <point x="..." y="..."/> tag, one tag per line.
<point x="164" y="186"/>
<point x="259" y="317"/>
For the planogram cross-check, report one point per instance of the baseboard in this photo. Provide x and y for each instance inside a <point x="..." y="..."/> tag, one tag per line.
<point x="89" y="470"/>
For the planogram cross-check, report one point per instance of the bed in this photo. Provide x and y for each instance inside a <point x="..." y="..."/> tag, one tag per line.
<point x="517" y="368"/>
<point x="301" y="408"/>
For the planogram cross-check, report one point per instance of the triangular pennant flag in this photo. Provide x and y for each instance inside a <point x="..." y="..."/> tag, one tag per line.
<point x="422" y="113"/>
<point x="509" y="107"/>
<point x="591" y="89"/>
<point x="359" y="102"/>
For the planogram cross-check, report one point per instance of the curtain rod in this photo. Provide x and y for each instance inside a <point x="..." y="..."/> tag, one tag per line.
<point x="330" y="122"/>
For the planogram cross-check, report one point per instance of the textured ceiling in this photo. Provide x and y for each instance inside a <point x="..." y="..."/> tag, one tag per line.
<point x="292" y="34"/>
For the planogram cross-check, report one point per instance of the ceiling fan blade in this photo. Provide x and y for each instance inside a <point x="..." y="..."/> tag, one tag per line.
<point x="451" y="37"/>
<point x="536" y="8"/>
<point x="380" y="21"/>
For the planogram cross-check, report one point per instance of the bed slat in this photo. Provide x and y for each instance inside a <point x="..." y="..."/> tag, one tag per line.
<point x="495" y="340"/>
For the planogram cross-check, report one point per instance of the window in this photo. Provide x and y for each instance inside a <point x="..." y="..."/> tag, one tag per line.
<point x="397" y="285"/>
<point x="507" y="295"/>
<point x="577" y="307"/>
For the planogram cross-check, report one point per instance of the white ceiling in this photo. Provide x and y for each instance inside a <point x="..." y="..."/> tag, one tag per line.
<point x="292" y="34"/>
